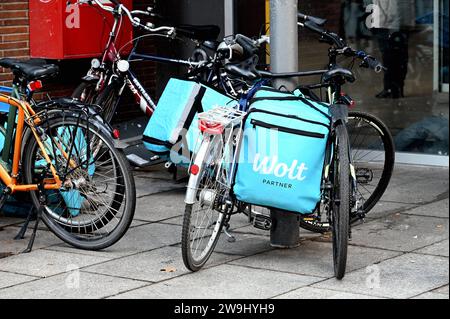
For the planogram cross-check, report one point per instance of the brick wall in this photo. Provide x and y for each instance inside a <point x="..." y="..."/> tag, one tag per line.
<point x="14" y="39"/>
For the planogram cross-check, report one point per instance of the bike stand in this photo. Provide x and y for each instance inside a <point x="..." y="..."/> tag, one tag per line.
<point x="23" y="229"/>
<point x="42" y="202"/>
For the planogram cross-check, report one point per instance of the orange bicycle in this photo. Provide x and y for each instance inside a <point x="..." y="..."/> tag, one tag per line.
<point x="65" y="157"/>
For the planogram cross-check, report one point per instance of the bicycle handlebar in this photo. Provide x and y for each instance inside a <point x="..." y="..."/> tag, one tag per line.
<point x="319" y="21"/>
<point x="121" y="9"/>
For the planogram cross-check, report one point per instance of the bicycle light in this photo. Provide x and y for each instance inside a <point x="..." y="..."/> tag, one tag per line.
<point x="123" y="66"/>
<point x="95" y="63"/>
<point x="35" y="85"/>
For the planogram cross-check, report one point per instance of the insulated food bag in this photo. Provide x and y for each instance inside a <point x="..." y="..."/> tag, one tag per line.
<point x="282" y="154"/>
<point x="175" y="121"/>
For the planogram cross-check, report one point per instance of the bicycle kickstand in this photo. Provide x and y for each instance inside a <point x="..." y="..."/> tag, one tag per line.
<point x="40" y="210"/>
<point x="24" y="228"/>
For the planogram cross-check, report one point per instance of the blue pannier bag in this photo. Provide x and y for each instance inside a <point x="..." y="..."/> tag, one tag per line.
<point x="282" y="154"/>
<point x="175" y="120"/>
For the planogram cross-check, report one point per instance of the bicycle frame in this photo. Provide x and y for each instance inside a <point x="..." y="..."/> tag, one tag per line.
<point x="25" y="113"/>
<point x="112" y="55"/>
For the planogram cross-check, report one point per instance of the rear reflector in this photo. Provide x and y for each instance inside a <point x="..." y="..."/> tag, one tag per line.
<point x="195" y="169"/>
<point x="35" y="85"/>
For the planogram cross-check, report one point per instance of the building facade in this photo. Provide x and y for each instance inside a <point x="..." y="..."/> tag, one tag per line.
<point x="409" y="36"/>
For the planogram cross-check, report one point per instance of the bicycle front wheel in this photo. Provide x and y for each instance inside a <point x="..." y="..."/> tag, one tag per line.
<point x="96" y="204"/>
<point x="340" y="197"/>
<point x="204" y="218"/>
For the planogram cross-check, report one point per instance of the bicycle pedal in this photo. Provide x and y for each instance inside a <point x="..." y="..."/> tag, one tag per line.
<point x="262" y="222"/>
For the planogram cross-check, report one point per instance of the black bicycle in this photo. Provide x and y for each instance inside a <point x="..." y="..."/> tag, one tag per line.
<point x="233" y="70"/>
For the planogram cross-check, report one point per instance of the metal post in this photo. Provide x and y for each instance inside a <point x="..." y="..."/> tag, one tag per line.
<point x="229" y="17"/>
<point x="284" y="58"/>
<point x="284" y="39"/>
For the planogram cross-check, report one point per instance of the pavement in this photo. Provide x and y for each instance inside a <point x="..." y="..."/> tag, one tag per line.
<point x="401" y="251"/>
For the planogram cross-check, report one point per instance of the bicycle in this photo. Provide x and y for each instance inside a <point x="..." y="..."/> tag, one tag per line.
<point x="371" y="140"/>
<point x="65" y="157"/>
<point x="107" y="79"/>
<point x="210" y="201"/>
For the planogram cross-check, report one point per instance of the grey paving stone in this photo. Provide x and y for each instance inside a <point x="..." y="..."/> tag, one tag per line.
<point x="67" y="286"/>
<point x="404" y="174"/>
<point x="161" y="206"/>
<point x="314" y="259"/>
<point x="401" y="232"/>
<point x="431" y="295"/>
<point x="8" y="221"/>
<point x="437" y="209"/>
<point x="44" y="263"/>
<point x="318" y="293"/>
<point x="237" y="221"/>
<point x="442" y="290"/>
<point x="149" y="186"/>
<point x="139" y="239"/>
<point x="10" y="246"/>
<point x="383" y="209"/>
<point x="438" y="249"/>
<point x="8" y="279"/>
<point x="417" y="191"/>
<point x="156" y="265"/>
<point x="156" y="171"/>
<point x="245" y="244"/>
<point x="137" y="223"/>
<point x="405" y="276"/>
<point x="224" y="282"/>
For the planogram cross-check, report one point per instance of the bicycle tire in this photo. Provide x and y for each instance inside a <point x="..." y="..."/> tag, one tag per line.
<point x="86" y="92"/>
<point x="107" y="100"/>
<point x="340" y="215"/>
<point x="205" y="183"/>
<point x="82" y="236"/>
<point x="385" y="137"/>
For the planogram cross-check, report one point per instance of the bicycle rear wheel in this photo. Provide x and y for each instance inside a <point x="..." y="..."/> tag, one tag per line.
<point x="373" y="155"/>
<point x="340" y="200"/>
<point x="96" y="204"/>
<point x="204" y="219"/>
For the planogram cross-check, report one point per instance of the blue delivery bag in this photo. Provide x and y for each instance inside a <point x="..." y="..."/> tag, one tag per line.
<point x="175" y="120"/>
<point x="282" y="154"/>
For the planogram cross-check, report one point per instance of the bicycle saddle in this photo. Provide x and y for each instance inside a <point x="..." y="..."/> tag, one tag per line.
<point x="211" y="44"/>
<point x="31" y="70"/>
<point x="199" y="32"/>
<point x="246" y="69"/>
<point x="338" y="75"/>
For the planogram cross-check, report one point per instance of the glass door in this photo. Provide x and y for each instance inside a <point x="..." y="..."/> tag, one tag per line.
<point x="441" y="25"/>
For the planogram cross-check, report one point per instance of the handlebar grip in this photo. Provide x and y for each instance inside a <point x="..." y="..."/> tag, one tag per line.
<point x="314" y="27"/>
<point x="374" y="64"/>
<point x="319" y="21"/>
<point x="247" y="44"/>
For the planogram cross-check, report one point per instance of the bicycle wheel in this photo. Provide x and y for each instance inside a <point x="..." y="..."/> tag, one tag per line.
<point x="204" y="219"/>
<point x="373" y="155"/>
<point x="340" y="200"/>
<point x="86" y="92"/>
<point x="96" y="204"/>
<point x="107" y="100"/>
